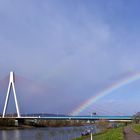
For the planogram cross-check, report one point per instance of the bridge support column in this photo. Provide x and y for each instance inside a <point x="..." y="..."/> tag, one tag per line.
<point x="11" y="85"/>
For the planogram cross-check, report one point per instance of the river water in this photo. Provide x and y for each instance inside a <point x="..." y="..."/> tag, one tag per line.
<point x="47" y="133"/>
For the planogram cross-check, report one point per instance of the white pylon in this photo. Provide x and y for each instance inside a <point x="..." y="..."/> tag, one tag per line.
<point x="91" y="136"/>
<point x="11" y="85"/>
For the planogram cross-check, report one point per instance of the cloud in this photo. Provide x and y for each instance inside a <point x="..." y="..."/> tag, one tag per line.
<point x="73" y="49"/>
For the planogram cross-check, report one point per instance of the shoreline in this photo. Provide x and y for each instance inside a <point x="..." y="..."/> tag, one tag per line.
<point x="16" y="127"/>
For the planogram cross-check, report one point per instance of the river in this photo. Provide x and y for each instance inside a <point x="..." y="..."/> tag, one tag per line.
<point x="47" y="133"/>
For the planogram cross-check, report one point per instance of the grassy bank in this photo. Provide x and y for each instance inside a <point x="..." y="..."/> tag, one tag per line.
<point x="110" y="134"/>
<point x="11" y="122"/>
<point x="136" y="128"/>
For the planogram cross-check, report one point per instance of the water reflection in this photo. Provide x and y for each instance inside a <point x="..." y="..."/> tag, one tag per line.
<point x="4" y="135"/>
<point x="17" y="135"/>
<point x="39" y="135"/>
<point x="8" y="134"/>
<point x="62" y="133"/>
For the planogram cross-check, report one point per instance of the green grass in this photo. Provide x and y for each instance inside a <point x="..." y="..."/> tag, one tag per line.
<point x="81" y="138"/>
<point x="111" y="134"/>
<point x="136" y="128"/>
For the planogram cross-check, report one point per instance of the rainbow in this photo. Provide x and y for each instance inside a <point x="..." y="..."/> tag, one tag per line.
<point x="123" y="82"/>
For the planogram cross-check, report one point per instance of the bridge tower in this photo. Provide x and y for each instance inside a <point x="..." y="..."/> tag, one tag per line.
<point x="11" y="85"/>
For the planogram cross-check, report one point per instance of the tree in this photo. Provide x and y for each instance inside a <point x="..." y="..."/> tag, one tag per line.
<point x="136" y="117"/>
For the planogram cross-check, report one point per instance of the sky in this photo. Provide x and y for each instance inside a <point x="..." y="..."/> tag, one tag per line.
<point x="64" y="52"/>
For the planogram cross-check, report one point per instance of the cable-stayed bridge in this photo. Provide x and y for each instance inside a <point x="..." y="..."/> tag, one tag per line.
<point x="11" y="86"/>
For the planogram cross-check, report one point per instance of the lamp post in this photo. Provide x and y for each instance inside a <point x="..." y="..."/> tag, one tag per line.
<point x="91" y="136"/>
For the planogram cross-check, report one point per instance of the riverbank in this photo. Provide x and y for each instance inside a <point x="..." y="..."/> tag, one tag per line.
<point x="15" y="127"/>
<point x="122" y="133"/>
<point x="109" y="134"/>
<point x="10" y="123"/>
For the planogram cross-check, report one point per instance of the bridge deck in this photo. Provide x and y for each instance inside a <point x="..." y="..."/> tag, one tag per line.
<point x="75" y="117"/>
